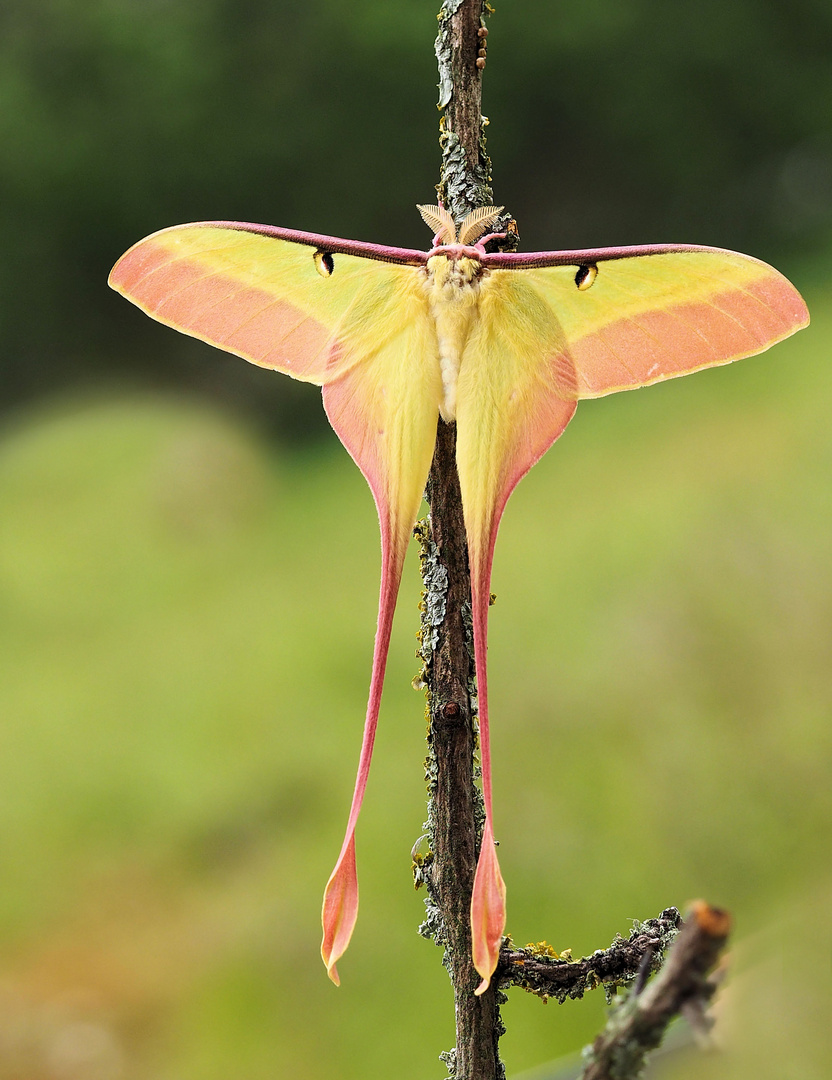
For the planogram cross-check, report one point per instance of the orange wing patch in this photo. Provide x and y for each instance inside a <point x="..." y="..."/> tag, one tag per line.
<point x="186" y="293"/>
<point x="680" y="338"/>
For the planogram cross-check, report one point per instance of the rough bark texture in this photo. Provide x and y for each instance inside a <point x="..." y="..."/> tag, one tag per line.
<point x="539" y="970"/>
<point x="639" y="1023"/>
<point x="466" y="179"/>
<point x="455" y="810"/>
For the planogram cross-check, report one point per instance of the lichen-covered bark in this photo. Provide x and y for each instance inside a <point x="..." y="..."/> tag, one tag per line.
<point x="627" y="962"/>
<point x="639" y="1022"/>
<point x="455" y="808"/>
<point x="466" y="171"/>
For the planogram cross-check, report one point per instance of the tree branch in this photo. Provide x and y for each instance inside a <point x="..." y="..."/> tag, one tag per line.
<point x="455" y="805"/>
<point x="540" y="971"/>
<point x="639" y="1023"/>
<point x="466" y="171"/>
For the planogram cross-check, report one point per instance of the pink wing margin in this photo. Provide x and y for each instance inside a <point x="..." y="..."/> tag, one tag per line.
<point x="618" y="349"/>
<point x="207" y="281"/>
<point x="711" y="307"/>
<point x="737" y="306"/>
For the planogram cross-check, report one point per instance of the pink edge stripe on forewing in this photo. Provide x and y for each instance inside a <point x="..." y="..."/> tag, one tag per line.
<point x="731" y="324"/>
<point x="182" y="293"/>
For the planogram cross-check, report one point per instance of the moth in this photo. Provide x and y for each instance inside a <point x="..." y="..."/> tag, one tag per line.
<point x="503" y="345"/>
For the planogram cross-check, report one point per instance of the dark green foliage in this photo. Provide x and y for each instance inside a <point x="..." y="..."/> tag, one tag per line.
<point x="613" y="121"/>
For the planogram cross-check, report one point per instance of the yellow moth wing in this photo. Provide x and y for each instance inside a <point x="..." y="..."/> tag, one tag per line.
<point x="267" y="299"/>
<point x="650" y="317"/>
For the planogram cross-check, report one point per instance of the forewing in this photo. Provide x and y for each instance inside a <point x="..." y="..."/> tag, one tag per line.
<point x="657" y="313"/>
<point x="274" y="297"/>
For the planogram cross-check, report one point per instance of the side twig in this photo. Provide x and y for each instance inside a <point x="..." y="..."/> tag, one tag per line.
<point x="639" y="1023"/>
<point x="539" y="970"/>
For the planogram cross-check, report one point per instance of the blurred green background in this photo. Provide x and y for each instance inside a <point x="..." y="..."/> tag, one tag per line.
<point x="188" y="560"/>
